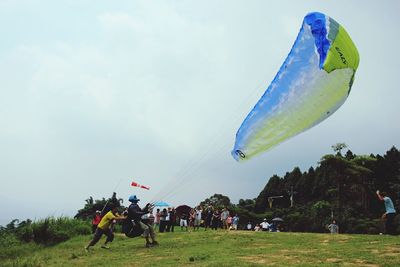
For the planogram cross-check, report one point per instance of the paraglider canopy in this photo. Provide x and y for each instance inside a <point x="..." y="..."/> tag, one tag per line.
<point x="312" y="83"/>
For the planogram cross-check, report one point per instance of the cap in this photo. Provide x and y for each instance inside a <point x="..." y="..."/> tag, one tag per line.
<point x="133" y="198"/>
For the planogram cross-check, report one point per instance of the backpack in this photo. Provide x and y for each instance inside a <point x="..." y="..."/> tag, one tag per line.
<point x="131" y="229"/>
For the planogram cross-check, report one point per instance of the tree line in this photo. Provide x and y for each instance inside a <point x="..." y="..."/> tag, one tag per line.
<point x="340" y="187"/>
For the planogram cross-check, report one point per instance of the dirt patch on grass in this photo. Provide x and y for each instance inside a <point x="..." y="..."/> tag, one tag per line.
<point x="255" y="259"/>
<point x="269" y="260"/>
<point x="374" y="251"/>
<point x="324" y="242"/>
<point x="333" y="260"/>
<point x="390" y="252"/>
<point x="308" y="251"/>
<point x="392" y="249"/>
<point x="363" y="263"/>
<point x="260" y="245"/>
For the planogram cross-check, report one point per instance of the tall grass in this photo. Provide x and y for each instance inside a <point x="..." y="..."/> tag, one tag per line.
<point x="48" y="231"/>
<point x="11" y="247"/>
<point x="52" y="230"/>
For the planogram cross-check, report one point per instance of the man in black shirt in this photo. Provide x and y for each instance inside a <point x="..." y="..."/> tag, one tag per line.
<point x="135" y="214"/>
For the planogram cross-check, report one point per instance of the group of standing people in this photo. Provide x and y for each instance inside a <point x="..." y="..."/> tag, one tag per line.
<point x="217" y="218"/>
<point x="191" y="219"/>
<point x="164" y="220"/>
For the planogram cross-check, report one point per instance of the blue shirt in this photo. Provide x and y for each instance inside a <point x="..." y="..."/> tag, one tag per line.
<point x="389" y="205"/>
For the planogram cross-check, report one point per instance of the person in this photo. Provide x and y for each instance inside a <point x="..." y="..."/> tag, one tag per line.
<point x="235" y="222"/>
<point x="257" y="228"/>
<point x="333" y="227"/>
<point x="157" y="219"/>
<point x="197" y="218"/>
<point x="183" y="221"/>
<point x="163" y="220"/>
<point x="390" y="213"/>
<point x="249" y="226"/>
<point x="215" y="219"/>
<point x="229" y="222"/>
<point x="192" y="215"/>
<point x="224" y="216"/>
<point x="151" y="220"/>
<point x="209" y="215"/>
<point x="135" y="214"/>
<point x="172" y="219"/>
<point x="96" y="220"/>
<point x="265" y="225"/>
<point x="273" y="227"/>
<point x="168" y="220"/>
<point x="104" y="227"/>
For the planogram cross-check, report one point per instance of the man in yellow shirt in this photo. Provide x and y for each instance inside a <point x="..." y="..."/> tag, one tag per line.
<point x="104" y="227"/>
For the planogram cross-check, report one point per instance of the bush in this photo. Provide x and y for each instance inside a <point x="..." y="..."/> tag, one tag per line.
<point x="11" y="247"/>
<point x="51" y="230"/>
<point x="24" y="233"/>
<point x="7" y="240"/>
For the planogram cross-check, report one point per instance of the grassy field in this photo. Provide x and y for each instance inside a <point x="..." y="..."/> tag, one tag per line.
<point x="217" y="248"/>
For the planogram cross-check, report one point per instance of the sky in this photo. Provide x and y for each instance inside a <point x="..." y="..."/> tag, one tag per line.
<point x="97" y="94"/>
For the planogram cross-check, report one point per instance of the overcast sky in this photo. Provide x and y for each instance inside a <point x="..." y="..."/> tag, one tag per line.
<point x="96" y="94"/>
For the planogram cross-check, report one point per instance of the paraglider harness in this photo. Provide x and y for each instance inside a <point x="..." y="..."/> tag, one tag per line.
<point x="131" y="227"/>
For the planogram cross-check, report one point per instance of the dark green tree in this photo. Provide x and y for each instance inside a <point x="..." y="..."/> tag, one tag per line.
<point x="103" y="205"/>
<point x="217" y="201"/>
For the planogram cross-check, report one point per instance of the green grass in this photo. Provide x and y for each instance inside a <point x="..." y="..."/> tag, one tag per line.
<point x="219" y="248"/>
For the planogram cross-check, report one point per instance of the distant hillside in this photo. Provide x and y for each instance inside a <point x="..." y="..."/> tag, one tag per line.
<point x="341" y="185"/>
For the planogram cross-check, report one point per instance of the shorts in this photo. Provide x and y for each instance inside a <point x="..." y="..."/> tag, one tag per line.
<point x="183" y="223"/>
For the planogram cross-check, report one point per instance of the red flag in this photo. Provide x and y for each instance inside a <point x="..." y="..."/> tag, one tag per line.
<point x="139" y="185"/>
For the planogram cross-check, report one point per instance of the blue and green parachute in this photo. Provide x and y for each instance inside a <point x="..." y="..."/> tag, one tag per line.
<point x="313" y="82"/>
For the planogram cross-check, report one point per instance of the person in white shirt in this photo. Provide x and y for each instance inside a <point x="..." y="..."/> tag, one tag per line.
<point x="197" y="218"/>
<point x="249" y="226"/>
<point x="265" y="225"/>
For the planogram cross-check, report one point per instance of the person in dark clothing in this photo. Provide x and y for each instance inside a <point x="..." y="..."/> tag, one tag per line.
<point x="216" y="220"/>
<point x="172" y="219"/>
<point x="163" y="220"/>
<point x="209" y="215"/>
<point x="135" y="214"/>
<point x="183" y="221"/>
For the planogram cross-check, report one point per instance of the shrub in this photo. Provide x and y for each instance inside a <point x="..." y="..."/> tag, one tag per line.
<point x="51" y="230"/>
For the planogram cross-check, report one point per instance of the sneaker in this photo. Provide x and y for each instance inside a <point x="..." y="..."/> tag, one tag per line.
<point x="105" y="247"/>
<point x="155" y="243"/>
<point x="148" y="245"/>
<point x="86" y="248"/>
